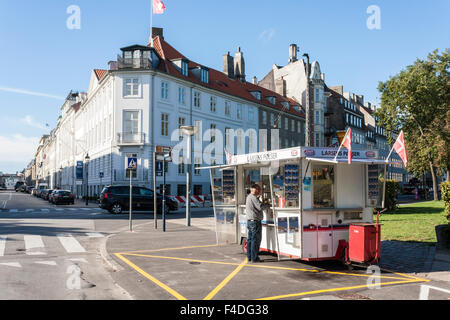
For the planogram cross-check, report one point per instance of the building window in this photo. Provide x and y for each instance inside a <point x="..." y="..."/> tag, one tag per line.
<point x="164" y="124"/>
<point x="197" y="164"/>
<point x="213" y="132"/>
<point x="299" y="128"/>
<point x="164" y="90"/>
<point x="317" y="118"/>
<point x="204" y="75"/>
<point x="181" y="167"/>
<point x="131" y="87"/>
<point x="182" y="95"/>
<point x="251" y="114"/>
<point x="213" y="103"/>
<point x="317" y="94"/>
<point x="292" y="125"/>
<point x="227" y="108"/>
<point x="131" y="124"/>
<point x="181" y="190"/>
<point x="239" y="111"/>
<point x="272" y="120"/>
<point x="198" y="130"/>
<point x="317" y="140"/>
<point x="184" y="68"/>
<point x="181" y="122"/>
<point x="227" y="138"/>
<point x="197" y="99"/>
<point x="198" y="189"/>
<point x="264" y="117"/>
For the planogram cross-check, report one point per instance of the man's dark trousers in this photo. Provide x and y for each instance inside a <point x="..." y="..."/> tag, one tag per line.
<point x="253" y="239"/>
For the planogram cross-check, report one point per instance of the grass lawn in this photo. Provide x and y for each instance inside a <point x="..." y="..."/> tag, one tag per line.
<point x="413" y="222"/>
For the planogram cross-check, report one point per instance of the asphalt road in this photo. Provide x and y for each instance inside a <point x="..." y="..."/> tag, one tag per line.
<point x="55" y="252"/>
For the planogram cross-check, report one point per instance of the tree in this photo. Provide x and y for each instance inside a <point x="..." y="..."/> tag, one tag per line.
<point x="417" y="101"/>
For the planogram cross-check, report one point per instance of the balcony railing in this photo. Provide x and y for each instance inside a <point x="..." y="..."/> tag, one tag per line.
<point x="131" y="138"/>
<point x="135" y="63"/>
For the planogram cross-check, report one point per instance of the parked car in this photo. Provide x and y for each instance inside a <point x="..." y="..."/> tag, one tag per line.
<point x="3" y="186"/>
<point x="18" y="185"/>
<point x="45" y="193"/>
<point x="62" y="196"/>
<point x="33" y="192"/>
<point x="23" y="188"/>
<point x="50" y="195"/>
<point x="116" y="199"/>
<point x="39" y="189"/>
<point x="28" y="189"/>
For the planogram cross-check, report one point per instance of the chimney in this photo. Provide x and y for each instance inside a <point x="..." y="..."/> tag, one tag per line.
<point x="112" y="65"/>
<point x="239" y="65"/>
<point x="158" y="32"/>
<point x="293" y="49"/>
<point x="280" y="87"/>
<point x="228" y="65"/>
<point x="255" y="80"/>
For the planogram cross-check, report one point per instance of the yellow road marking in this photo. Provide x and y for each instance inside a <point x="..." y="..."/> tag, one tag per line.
<point x="169" y="249"/>
<point x="156" y="281"/>
<point x="225" y="281"/>
<point x="338" y="289"/>
<point x="265" y="266"/>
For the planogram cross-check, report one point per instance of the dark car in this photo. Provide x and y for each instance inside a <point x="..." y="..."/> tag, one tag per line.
<point x="18" y="185"/>
<point x="45" y="193"/>
<point x="62" y="196"/>
<point x="116" y="199"/>
<point x="28" y="189"/>
<point x="3" y="186"/>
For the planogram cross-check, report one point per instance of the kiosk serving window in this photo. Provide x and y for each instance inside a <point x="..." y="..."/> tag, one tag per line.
<point x="323" y="186"/>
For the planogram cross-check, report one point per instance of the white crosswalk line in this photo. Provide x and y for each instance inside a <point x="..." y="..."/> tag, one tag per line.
<point x="85" y="209"/>
<point x="49" y="263"/>
<point x="94" y="235"/>
<point x="59" y="209"/>
<point x="78" y="260"/>
<point x="70" y="243"/>
<point x="13" y="210"/>
<point x="45" y="210"/>
<point x="2" y="245"/>
<point x="73" y="209"/>
<point x="33" y="242"/>
<point x="29" y="210"/>
<point x="11" y="264"/>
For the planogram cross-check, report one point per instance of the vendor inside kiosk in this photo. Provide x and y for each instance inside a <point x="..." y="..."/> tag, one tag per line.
<point x="313" y="198"/>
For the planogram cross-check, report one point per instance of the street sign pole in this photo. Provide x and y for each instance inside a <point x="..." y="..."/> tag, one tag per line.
<point x="131" y="199"/>
<point x="155" y="219"/>
<point x="164" y="197"/>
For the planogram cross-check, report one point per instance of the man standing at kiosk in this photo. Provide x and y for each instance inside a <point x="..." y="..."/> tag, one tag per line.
<point x="253" y="208"/>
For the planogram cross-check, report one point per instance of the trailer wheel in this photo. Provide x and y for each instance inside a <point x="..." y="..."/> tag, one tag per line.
<point x="244" y="245"/>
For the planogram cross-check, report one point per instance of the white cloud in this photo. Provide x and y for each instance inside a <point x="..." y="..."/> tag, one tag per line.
<point x="32" y="93"/>
<point x="267" y="35"/>
<point x="17" y="149"/>
<point x="31" y="122"/>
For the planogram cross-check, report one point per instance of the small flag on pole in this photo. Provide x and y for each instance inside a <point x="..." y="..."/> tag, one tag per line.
<point x="228" y="155"/>
<point x="399" y="147"/>
<point x="347" y="142"/>
<point x="158" y="7"/>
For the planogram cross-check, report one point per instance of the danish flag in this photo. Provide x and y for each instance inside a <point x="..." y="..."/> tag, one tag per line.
<point x="158" y="7"/>
<point x="399" y="147"/>
<point x="347" y="142"/>
<point x="228" y="155"/>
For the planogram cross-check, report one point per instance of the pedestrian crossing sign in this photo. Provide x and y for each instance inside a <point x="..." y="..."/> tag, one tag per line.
<point x="131" y="163"/>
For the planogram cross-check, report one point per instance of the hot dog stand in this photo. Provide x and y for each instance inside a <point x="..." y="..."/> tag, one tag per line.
<point x="318" y="207"/>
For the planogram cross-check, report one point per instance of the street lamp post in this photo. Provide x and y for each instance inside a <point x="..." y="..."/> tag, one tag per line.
<point x="60" y="177"/>
<point x="308" y="113"/>
<point x="87" y="178"/>
<point x="189" y="131"/>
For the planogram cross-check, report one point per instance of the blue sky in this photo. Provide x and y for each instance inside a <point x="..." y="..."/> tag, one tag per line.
<point x="41" y="60"/>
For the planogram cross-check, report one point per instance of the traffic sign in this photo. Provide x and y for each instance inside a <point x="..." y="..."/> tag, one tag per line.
<point x="159" y="168"/>
<point x="163" y="149"/>
<point x="131" y="163"/>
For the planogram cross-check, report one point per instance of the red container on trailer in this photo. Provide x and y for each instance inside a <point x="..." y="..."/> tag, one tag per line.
<point x="364" y="242"/>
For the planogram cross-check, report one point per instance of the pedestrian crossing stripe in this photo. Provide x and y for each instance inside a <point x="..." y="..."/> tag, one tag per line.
<point x="49" y="263"/>
<point x="11" y="264"/>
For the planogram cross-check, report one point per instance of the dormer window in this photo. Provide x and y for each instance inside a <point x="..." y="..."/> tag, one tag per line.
<point x="184" y="68"/>
<point x="272" y="99"/>
<point x="204" y="75"/>
<point x="256" y="94"/>
<point x="285" y="104"/>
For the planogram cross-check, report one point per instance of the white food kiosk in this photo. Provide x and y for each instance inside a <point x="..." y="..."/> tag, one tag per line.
<point x="312" y="198"/>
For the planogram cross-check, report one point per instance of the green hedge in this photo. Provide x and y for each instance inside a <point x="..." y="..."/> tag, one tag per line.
<point x="392" y="189"/>
<point x="445" y="193"/>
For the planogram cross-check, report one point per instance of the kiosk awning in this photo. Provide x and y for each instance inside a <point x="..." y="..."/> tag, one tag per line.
<point x="363" y="161"/>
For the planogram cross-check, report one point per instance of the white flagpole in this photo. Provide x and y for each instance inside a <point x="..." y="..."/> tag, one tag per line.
<point x="337" y="153"/>
<point x="392" y="149"/>
<point x="151" y="23"/>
